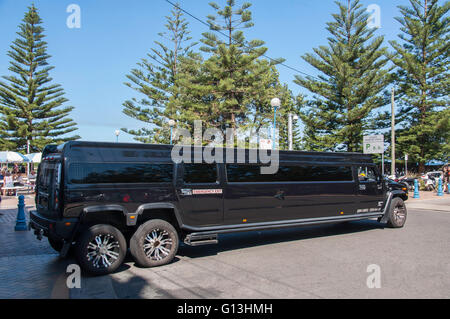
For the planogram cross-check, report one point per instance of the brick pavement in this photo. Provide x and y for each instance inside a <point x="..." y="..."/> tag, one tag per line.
<point x="28" y="268"/>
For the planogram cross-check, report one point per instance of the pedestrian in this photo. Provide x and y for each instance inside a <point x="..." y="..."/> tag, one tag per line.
<point x="8" y="182"/>
<point x="446" y="178"/>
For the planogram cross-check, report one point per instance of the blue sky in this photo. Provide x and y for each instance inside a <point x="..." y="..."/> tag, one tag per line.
<point x="91" y="62"/>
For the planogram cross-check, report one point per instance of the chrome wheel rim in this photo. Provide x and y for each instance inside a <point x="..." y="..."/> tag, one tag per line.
<point x="103" y="251"/>
<point x="399" y="214"/>
<point x="158" y="244"/>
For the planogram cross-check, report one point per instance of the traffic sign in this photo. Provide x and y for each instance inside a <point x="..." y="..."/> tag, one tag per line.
<point x="373" y="144"/>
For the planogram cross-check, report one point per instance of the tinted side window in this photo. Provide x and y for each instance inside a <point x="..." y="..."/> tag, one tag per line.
<point x="108" y="173"/>
<point x="244" y="174"/>
<point x="200" y="173"/>
<point x="251" y="174"/>
<point x="367" y="174"/>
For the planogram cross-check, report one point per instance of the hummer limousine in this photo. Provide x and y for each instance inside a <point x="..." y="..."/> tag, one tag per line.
<point x="99" y="199"/>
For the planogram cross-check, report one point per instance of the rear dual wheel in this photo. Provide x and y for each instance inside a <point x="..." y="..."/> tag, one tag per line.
<point x="155" y="243"/>
<point x="101" y="249"/>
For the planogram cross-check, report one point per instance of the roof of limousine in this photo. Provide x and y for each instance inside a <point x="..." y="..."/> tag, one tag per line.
<point x="106" y="151"/>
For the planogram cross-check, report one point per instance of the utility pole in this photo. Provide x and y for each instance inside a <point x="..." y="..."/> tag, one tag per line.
<point x="393" y="132"/>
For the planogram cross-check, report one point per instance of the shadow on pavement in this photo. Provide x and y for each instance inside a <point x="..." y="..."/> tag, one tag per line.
<point x="136" y="286"/>
<point x="260" y="238"/>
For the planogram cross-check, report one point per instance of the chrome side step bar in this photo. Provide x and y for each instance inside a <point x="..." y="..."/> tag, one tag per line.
<point x="199" y="240"/>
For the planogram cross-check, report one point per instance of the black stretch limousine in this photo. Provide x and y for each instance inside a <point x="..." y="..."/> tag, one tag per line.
<point x="98" y="199"/>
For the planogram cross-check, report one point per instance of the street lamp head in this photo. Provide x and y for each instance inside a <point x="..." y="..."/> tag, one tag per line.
<point x="296" y="117"/>
<point x="275" y="102"/>
<point x="171" y="123"/>
<point x="117" y="132"/>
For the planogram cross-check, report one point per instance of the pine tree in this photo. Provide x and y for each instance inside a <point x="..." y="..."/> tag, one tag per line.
<point x="31" y="107"/>
<point x="231" y="75"/>
<point x="155" y="78"/>
<point x="350" y="86"/>
<point x="260" y="112"/>
<point x="423" y="81"/>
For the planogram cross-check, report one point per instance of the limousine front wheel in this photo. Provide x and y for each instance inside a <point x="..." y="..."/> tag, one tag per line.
<point x="101" y="249"/>
<point x="155" y="243"/>
<point x="397" y="213"/>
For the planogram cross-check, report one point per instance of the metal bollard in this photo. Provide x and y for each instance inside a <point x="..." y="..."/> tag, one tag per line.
<point x="440" y="192"/>
<point x="416" y="189"/>
<point x="21" y="222"/>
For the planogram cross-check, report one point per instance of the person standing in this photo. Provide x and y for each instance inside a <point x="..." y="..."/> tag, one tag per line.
<point x="446" y="178"/>
<point x="8" y="182"/>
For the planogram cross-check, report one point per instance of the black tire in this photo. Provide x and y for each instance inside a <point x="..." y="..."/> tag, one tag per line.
<point x="93" y="256"/>
<point x="56" y="244"/>
<point x="155" y="243"/>
<point x="397" y="213"/>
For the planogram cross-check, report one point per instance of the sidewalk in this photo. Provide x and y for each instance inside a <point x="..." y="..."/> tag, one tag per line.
<point x="429" y="201"/>
<point x="29" y="268"/>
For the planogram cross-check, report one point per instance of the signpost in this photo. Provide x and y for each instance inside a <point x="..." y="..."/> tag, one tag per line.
<point x="374" y="144"/>
<point x="406" y="164"/>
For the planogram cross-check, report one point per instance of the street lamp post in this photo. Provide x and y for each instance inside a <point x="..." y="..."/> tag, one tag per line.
<point x="171" y="124"/>
<point x="291" y="119"/>
<point x="406" y="164"/>
<point x="117" y="132"/>
<point x="275" y="103"/>
<point x="393" y="132"/>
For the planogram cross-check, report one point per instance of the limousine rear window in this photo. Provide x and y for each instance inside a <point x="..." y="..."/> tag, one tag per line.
<point x="47" y="174"/>
<point x="251" y="174"/>
<point x="108" y="173"/>
<point x="200" y="173"/>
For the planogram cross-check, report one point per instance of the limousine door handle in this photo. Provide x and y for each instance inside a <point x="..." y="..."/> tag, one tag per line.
<point x="279" y="195"/>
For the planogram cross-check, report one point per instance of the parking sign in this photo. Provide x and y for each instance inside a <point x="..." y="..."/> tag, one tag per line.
<point x="373" y="144"/>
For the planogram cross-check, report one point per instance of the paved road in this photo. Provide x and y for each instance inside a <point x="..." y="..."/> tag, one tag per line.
<point x="311" y="262"/>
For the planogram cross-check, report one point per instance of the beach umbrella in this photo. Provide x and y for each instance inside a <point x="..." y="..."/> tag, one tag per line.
<point x="12" y="157"/>
<point x="34" y="157"/>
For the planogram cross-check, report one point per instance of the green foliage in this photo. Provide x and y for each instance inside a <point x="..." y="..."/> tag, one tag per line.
<point x="232" y="73"/>
<point x="233" y="87"/>
<point x="423" y="81"/>
<point x="31" y="107"/>
<point x="351" y="85"/>
<point x="155" y="79"/>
